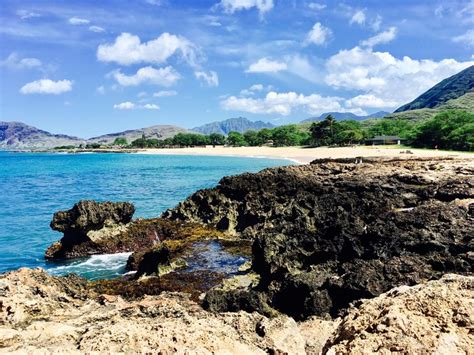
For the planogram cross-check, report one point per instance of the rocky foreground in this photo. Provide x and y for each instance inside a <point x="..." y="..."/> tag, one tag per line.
<point x="346" y="257"/>
<point x="53" y="314"/>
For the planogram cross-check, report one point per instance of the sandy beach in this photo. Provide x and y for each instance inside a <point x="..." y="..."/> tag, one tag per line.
<point x="306" y="155"/>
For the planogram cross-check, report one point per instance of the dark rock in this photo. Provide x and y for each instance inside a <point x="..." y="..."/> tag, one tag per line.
<point x="92" y="215"/>
<point x="333" y="232"/>
<point x="152" y="259"/>
<point x="92" y="228"/>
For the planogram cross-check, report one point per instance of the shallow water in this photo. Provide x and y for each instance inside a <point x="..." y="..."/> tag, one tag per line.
<point x="34" y="186"/>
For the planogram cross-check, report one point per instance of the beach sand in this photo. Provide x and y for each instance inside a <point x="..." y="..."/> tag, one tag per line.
<point x="306" y="155"/>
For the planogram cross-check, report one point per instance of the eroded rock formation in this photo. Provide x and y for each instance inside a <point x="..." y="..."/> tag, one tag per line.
<point x="332" y="232"/>
<point x="42" y="313"/>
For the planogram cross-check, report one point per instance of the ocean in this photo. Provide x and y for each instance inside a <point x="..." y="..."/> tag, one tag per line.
<point x="35" y="185"/>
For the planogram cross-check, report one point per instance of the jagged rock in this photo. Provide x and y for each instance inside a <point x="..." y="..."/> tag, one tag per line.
<point x="105" y="228"/>
<point x="432" y="318"/>
<point x="90" y="227"/>
<point x="40" y="313"/>
<point x="332" y="232"/>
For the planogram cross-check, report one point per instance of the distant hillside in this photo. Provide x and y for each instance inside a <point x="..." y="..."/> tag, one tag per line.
<point x="346" y="116"/>
<point x="158" y="132"/>
<point x="450" y="88"/>
<point x="239" y="124"/>
<point x="464" y="102"/>
<point x="17" y="135"/>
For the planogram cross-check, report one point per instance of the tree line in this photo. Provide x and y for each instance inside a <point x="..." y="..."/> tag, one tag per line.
<point x="448" y="130"/>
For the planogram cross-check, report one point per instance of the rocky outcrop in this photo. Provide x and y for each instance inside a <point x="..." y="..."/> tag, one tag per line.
<point x="41" y="313"/>
<point x="432" y="318"/>
<point x="53" y="314"/>
<point x="92" y="227"/>
<point x="333" y="232"/>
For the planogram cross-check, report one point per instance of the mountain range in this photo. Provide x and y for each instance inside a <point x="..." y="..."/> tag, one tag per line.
<point x="455" y="92"/>
<point x="346" y="116"/>
<point x="238" y="124"/>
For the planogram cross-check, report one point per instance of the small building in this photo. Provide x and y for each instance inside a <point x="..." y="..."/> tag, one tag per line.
<point x="384" y="140"/>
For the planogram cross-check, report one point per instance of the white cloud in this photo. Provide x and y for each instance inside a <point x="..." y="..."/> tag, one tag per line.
<point x="47" y="86"/>
<point x="128" y="49"/>
<point x="100" y="90"/>
<point x="166" y="76"/>
<point x="358" y="17"/>
<point x="210" y="79"/>
<point x="381" y="38"/>
<point x="376" y="23"/>
<point x="369" y="100"/>
<point x="96" y="29"/>
<point x="301" y="66"/>
<point x="381" y="74"/>
<point x="165" y="93"/>
<point x="284" y="103"/>
<point x="316" y="6"/>
<point x="154" y="2"/>
<point x="25" y="15"/>
<point x="14" y="61"/>
<point x="150" y="107"/>
<point x="254" y="89"/>
<point x="318" y="35"/>
<point x="467" y="38"/>
<point x="265" y="65"/>
<point x="77" y="21"/>
<point x="231" y="6"/>
<point x="132" y="106"/>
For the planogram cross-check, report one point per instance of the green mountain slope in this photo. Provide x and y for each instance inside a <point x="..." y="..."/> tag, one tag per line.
<point x="448" y="89"/>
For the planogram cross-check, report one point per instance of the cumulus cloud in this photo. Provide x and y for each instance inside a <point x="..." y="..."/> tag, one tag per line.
<point x="47" y="86"/>
<point x="165" y="93"/>
<point x="252" y="90"/>
<point x="316" y="6"/>
<point x="25" y="14"/>
<point x="231" y="6"/>
<point x="358" y="17"/>
<point x="466" y="38"/>
<point x="210" y="79"/>
<point x="96" y="29"/>
<point x="381" y="38"/>
<point x="166" y="76"/>
<point x="13" y="61"/>
<point x="369" y="100"/>
<point x="265" y="65"/>
<point x="284" y="104"/>
<point x="77" y="21"/>
<point x="318" y="35"/>
<point x="394" y="80"/>
<point x="132" y="106"/>
<point x="128" y="49"/>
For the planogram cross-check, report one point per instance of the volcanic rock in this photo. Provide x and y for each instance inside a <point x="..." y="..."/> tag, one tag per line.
<point x="40" y="313"/>
<point x="333" y="232"/>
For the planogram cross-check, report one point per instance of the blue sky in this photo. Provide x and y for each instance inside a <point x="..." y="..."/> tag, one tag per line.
<point x="91" y="67"/>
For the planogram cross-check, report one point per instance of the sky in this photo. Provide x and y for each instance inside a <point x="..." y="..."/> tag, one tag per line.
<point x="86" y="68"/>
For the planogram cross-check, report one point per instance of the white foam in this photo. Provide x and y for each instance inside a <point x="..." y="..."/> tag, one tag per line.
<point x="95" y="263"/>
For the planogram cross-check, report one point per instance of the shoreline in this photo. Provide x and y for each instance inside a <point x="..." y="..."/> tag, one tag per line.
<point x="302" y="156"/>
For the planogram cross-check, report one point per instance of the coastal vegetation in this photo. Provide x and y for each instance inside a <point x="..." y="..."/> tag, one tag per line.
<point x="453" y="129"/>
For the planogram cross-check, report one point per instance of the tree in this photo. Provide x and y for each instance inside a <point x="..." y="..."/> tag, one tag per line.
<point x="448" y="130"/>
<point x="121" y="141"/>
<point x="236" y="139"/>
<point x="216" y="139"/>
<point x="252" y="138"/>
<point x="265" y="135"/>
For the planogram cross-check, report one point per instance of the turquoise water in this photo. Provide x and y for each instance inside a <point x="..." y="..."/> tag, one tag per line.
<point x="34" y="186"/>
